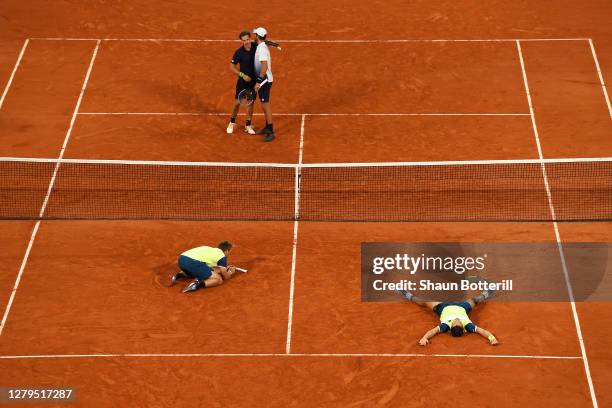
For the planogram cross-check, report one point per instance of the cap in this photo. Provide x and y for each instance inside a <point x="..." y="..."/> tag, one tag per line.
<point x="260" y="31"/>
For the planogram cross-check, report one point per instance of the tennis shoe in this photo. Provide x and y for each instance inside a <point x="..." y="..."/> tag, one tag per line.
<point x="178" y="276"/>
<point x="230" y="128"/>
<point x="192" y="287"/>
<point x="487" y="293"/>
<point x="407" y="295"/>
<point x="269" y="137"/>
<point x="250" y="130"/>
<point x="264" y="131"/>
<point x="484" y="295"/>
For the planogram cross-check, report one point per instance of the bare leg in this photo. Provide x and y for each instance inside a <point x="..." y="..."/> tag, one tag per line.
<point x="427" y="305"/>
<point x="417" y="300"/>
<point x="235" y="110"/>
<point x="213" y="281"/>
<point x="267" y="111"/>
<point x="249" y="115"/>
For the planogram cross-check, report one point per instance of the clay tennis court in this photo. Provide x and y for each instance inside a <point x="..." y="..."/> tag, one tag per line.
<point x="86" y="303"/>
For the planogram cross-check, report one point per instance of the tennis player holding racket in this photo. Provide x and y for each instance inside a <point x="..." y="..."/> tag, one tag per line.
<point x="244" y="57"/>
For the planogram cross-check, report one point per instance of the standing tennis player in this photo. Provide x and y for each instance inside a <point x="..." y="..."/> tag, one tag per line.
<point x="244" y="58"/>
<point x="453" y="317"/>
<point x="207" y="266"/>
<point x="263" y="70"/>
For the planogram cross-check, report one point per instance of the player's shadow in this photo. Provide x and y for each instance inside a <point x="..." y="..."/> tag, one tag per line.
<point x="181" y="96"/>
<point x="162" y="274"/>
<point x="248" y="263"/>
<point x="340" y="98"/>
<point x="186" y="98"/>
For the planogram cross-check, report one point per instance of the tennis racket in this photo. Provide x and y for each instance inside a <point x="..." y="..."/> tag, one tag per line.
<point x="273" y="44"/>
<point x="246" y="96"/>
<point x="239" y="269"/>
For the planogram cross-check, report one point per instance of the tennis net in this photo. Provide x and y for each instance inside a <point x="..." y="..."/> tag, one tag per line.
<point x="499" y="190"/>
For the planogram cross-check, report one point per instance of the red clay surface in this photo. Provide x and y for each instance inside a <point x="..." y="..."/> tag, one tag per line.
<point x="127" y="265"/>
<point x="340" y="324"/>
<point x="306" y="381"/>
<point x="13" y="241"/>
<point x="9" y="50"/>
<point x="180" y="138"/>
<point x="440" y="137"/>
<point x="191" y="77"/>
<point x="38" y="108"/>
<point x="569" y="104"/>
<point x="97" y="287"/>
<point x="596" y="335"/>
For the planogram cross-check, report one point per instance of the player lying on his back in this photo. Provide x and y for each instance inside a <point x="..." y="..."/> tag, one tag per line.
<point x="206" y="265"/>
<point x="453" y="317"/>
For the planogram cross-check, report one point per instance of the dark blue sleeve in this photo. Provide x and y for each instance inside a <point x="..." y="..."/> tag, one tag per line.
<point x="470" y="327"/>
<point x="222" y="262"/>
<point x="235" y="58"/>
<point x="444" y="328"/>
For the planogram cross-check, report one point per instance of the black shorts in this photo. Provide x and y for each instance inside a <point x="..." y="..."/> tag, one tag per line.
<point x="264" y="92"/>
<point x="439" y="307"/>
<point x="241" y="84"/>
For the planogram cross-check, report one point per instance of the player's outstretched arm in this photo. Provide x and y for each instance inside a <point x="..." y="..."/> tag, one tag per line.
<point x="487" y="335"/>
<point x="272" y="44"/>
<point x="425" y="339"/>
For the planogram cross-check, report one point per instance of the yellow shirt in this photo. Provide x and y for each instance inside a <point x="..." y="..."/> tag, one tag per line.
<point x="452" y="312"/>
<point x="209" y="255"/>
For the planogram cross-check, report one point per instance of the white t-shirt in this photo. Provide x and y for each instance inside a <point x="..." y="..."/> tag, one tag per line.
<point x="262" y="53"/>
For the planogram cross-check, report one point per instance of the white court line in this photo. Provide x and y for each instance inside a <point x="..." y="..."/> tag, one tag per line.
<point x="308" y="165"/>
<point x="19" y="275"/>
<point x="295" y="235"/>
<point x="46" y="200"/>
<point x="557" y="235"/>
<point x="601" y="78"/>
<point x="293" y="355"/>
<point x="70" y="127"/>
<point x="293" y="114"/>
<point x="10" y="81"/>
<point x="364" y="41"/>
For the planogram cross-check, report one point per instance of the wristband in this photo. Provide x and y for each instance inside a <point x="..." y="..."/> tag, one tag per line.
<point x="241" y="75"/>
<point x="491" y="338"/>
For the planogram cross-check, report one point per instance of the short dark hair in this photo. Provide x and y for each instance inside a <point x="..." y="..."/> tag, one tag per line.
<point x="224" y="246"/>
<point x="243" y="33"/>
<point x="457" y="331"/>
